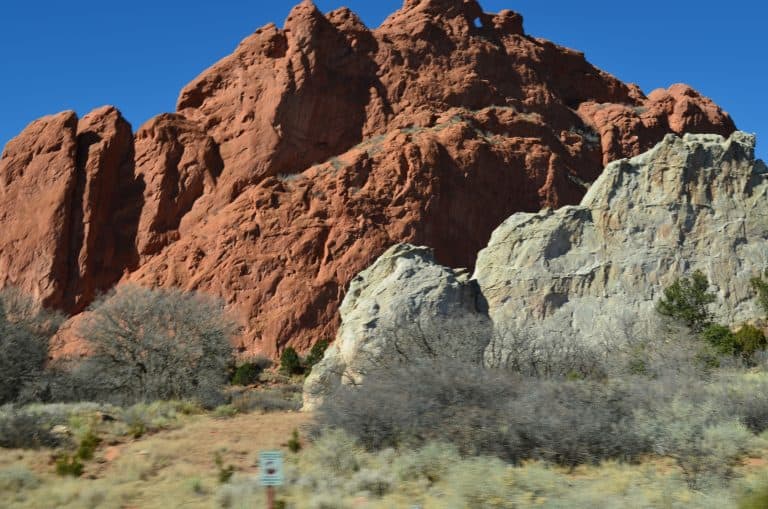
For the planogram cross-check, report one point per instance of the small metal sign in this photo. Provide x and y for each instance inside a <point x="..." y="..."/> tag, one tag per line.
<point x="271" y="468"/>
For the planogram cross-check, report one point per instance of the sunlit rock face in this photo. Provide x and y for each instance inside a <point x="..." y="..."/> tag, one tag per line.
<point x="594" y="272"/>
<point x="293" y="163"/>
<point x="404" y="308"/>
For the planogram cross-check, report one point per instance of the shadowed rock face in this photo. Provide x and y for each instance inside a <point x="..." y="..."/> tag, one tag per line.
<point x="293" y="163"/>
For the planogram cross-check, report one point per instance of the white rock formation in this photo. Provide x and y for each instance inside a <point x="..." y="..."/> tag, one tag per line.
<point x="594" y="272"/>
<point x="589" y="273"/>
<point x="403" y="308"/>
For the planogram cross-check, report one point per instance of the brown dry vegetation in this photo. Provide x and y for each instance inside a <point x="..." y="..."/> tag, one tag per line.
<point x="173" y="468"/>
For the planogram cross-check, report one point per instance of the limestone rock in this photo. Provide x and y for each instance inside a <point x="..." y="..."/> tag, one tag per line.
<point x="594" y="272"/>
<point x="403" y="308"/>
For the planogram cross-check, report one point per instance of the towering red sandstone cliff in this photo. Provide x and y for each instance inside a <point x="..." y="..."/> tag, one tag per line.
<point x="294" y="162"/>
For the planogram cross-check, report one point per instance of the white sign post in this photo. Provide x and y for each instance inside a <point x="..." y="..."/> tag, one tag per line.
<point x="271" y="473"/>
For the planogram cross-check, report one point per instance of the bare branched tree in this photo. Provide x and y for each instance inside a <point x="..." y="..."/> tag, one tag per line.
<point x="156" y="345"/>
<point x="25" y="332"/>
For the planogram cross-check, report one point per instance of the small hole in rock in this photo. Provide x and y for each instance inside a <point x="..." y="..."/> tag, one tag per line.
<point x="478" y="23"/>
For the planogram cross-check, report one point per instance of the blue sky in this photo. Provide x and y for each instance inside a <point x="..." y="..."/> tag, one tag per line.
<point x="137" y="55"/>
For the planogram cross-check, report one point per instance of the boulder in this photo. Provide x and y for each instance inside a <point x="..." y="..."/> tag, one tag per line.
<point x="404" y="308"/>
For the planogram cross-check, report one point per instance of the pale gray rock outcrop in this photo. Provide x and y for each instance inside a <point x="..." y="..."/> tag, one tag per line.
<point x="403" y="308"/>
<point x="594" y="272"/>
<point x="571" y="281"/>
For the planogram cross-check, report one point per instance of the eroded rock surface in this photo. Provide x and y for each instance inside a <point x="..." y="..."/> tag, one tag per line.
<point x="37" y="180"/>
<point x="589" y="274"/>
<point x="296" y="161"/>
<point x="403" y="308"/>
<point x="594" y="272"/>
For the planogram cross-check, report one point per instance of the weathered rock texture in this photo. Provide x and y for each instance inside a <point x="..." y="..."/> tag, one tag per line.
<point x="66" y="231"/>
<point x="594" y="272"/>
<point x="293" y="163"/>
<point x="589" y="274"/>
<point x="403" y="308"/>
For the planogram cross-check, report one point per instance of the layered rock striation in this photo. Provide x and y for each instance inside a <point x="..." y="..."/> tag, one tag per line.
<point x="293" y="163"/>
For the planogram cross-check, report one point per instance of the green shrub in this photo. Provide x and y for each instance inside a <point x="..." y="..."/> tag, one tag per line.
<point x="721" y="338"/>
<point x="749" y="340"/>
<point x="137" y="429"/>
<point x="761" y="287"/>
<point x="687" y="300"/>
<point x="143" y="418"/>
<point x="224" y="473"/>
<point x="88" y="445"/>
<point x="316" y="353"/>
<point x="246" y="374"/>
<point x="69" y="465"/>
<point x="294" y="444"/>
<point x="290" y="362"/>
<point x="224" y="412"/>
<point x="745" y="342"/>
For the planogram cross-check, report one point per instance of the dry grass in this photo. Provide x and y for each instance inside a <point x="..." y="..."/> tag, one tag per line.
<point x="168" y="469"/>
<point x="175" y="468"/>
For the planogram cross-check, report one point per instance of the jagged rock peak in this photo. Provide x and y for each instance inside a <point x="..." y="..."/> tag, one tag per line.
<point x="291" y="164"/>
<point x="303" y="14"/>
<point x="468" y="13"/>
<point x="449" y="8"/>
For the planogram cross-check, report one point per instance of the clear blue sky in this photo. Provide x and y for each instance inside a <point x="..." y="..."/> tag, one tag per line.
<point x="137" y="55"/>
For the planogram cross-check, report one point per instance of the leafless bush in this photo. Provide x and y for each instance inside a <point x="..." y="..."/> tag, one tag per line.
<point x="539" y="356"/>
<point x="25" y="331"/>
<point x="486" y="412"/>
<point x="24" y="429"/>
<point x="155" y="345"/>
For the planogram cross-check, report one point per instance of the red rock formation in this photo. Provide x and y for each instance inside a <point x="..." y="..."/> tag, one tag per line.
<point x="37" y="182"/>
<point x="177" y="163"/>
<point x="101" y="233"/>
<point x="297" y="160"/>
